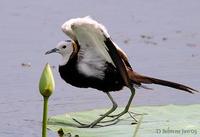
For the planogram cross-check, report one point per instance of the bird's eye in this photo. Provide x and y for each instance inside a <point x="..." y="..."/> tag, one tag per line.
<point x="64" y="46"/>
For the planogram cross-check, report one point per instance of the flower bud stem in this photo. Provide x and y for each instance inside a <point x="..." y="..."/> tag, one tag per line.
<point x="45" y="110"/>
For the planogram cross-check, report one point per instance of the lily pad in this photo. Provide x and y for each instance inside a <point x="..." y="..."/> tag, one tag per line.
<point x="154" y="121"/>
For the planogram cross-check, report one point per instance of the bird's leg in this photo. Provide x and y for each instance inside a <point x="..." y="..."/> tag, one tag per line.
<point x="116" y="117"/>
<point x="94" y="123"/>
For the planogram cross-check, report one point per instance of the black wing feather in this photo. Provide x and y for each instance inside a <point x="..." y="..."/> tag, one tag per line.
<point x="112" y="50"/>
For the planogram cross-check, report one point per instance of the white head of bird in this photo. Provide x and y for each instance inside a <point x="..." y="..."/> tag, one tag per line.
<point x="65" y="49"/>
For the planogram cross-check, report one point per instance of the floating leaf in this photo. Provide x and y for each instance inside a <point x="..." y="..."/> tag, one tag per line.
<point x="156" y="121"/>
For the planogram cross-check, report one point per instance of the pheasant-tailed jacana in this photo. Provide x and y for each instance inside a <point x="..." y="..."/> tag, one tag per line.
<point x="92" y="60"/>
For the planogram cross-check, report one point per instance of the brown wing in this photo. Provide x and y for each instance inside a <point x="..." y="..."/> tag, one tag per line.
<point x="124" y="58"/>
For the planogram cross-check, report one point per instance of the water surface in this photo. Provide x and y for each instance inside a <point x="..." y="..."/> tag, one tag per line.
<point x="161" y="38"/>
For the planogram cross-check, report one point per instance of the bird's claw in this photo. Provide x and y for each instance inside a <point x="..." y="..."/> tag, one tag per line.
<point x="94" y="124"/>
<point x="82" y="125"/>
<point x="117" y="116"/>
<point x="132" y="114"/>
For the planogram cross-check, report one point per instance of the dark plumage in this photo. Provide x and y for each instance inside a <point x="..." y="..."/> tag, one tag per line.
<point x="111" y="82"/>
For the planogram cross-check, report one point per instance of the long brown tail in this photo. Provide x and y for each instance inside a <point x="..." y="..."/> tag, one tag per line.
<point x="139" y="79"/>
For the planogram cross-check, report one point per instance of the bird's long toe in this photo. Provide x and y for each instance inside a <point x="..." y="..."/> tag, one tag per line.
<point x="83" y="125"/>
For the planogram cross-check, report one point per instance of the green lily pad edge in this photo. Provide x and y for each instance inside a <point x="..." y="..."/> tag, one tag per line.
<point x="153" y="121"/>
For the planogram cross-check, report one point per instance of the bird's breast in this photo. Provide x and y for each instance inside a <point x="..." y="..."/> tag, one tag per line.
<point x="107" y="79"/>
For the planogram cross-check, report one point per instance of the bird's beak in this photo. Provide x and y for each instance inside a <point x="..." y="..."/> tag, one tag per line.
<point x="52" y="51"/>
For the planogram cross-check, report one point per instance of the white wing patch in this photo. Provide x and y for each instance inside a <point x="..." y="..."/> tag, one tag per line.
<point x="93" y="52"/>
<point x="67" y="26"/>
<point x="90" y="63"/>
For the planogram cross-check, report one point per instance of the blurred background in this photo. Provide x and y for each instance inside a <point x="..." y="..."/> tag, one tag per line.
<point x="161" y="39"/>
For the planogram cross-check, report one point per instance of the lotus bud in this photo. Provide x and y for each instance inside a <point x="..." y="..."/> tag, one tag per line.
<point x="47" y="84"/>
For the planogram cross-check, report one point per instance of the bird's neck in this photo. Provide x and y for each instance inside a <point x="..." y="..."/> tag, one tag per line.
<point x="65" y="59"/>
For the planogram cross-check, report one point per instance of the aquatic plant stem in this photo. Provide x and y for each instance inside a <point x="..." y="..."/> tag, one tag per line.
<point x="45" y="113"/>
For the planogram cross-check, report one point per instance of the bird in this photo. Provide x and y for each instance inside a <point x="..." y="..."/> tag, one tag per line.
<point x="90" y="59"/>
